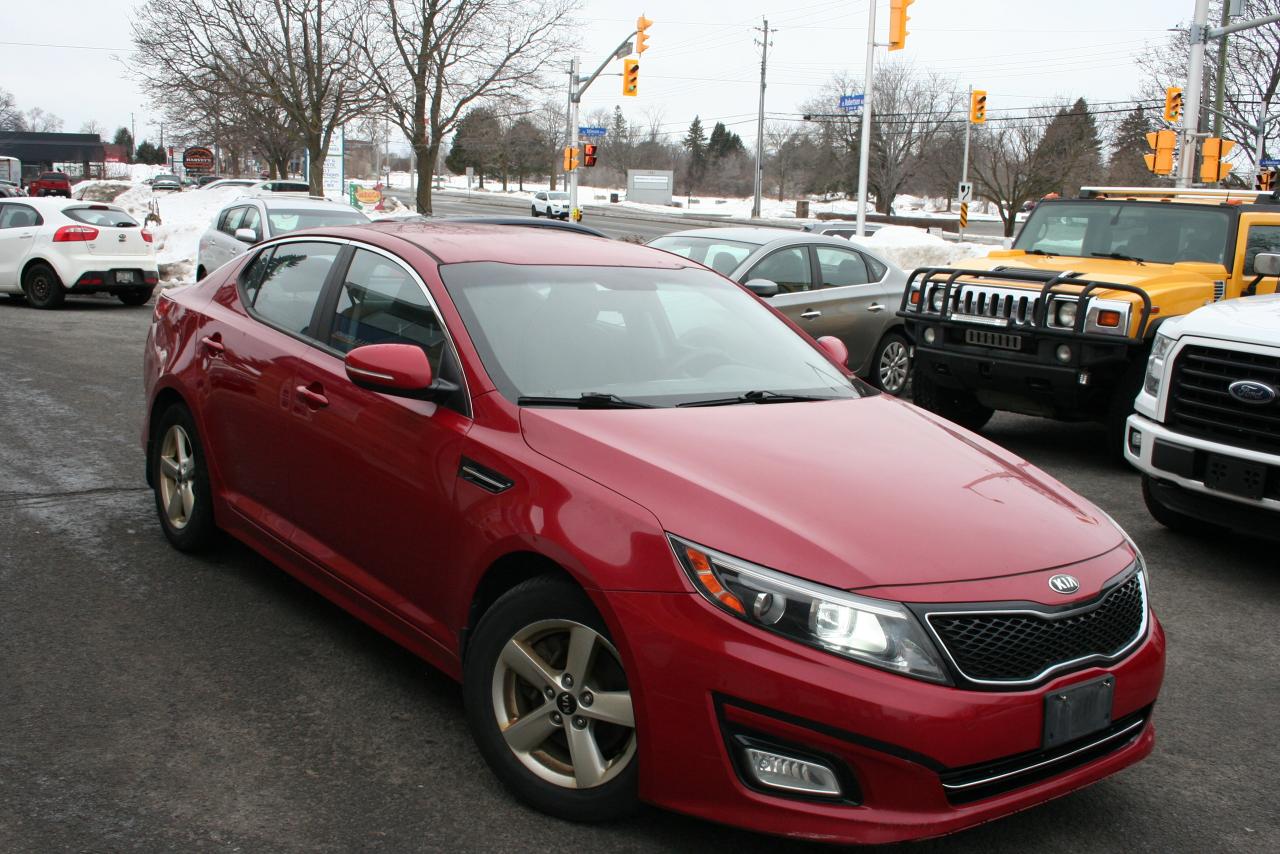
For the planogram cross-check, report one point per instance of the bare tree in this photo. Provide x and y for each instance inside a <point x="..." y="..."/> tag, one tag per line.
<point x="1013" y="166"/>
<point x="551" y="119"/>
<point x="38" y="121"/>
<point x="431" y="60"/>
<point x="11" y="118"/>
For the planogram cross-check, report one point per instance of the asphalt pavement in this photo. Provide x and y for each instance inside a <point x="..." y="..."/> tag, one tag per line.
<point x="152" y="701"/>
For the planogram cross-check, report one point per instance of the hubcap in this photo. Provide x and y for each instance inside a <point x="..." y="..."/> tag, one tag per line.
<point x="562" y="704"/>
<point x="40" y="288"/>
<point x="893" y="367"/>
<point x="177" y="477"/>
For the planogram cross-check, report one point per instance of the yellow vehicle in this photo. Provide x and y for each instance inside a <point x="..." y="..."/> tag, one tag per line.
<point x="1061" y="324"/>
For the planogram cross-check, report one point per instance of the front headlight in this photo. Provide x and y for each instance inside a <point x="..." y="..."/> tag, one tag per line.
<point x="871" y="631"/>
<point x="1064" y="313"/>
<point x="1160" y="350"/>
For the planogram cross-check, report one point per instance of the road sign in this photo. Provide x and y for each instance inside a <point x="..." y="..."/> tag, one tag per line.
<point x="591" y="131"/>
<point x="964" y="214"/>
<point x="966" y="192"/>
<point x="851" y="103"/>
<point x="1270" y="162"/>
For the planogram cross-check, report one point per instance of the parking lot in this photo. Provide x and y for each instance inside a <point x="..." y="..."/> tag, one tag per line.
<point x="154" y="701"/>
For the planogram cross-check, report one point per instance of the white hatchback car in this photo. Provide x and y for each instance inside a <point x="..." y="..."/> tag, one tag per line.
<point x="52" y="247"/>
<point x="247" y="221"/>
<point x="551" y="203"/>
<point x="268" y="189"/>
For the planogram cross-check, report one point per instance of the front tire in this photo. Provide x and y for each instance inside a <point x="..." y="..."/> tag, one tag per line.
<point x="962" y="407"/>
<point x="535" y="213"/>
<point x="180" y="481"/>
<point x="891" y="364"/>
<point x="549" y="705"/>
<point x="135" y="297"/>
<point x="43" y="287"/>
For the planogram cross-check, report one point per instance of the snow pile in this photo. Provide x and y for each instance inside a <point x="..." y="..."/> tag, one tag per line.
<point x="100" y="191"/>
<point x="183" y="218"/>
<point x="913" y="247"/>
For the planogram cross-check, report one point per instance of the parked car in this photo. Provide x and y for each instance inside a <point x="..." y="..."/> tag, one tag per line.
<point x="663" y="539"/>
<point x="50" y="248"/>
<point x="1206" y="433"/>
<point x="280" y="188"/>
<point x="825" y="286"/>
<point x="222" y="183"/>
<point x="10" y="189"/>
<point x="171" y="183"/>
<point x="49" y="184"/>
<point x="841" y="228"/>
<point x="550" y="204"/>
<point x="247" y="221"/>
<point x="206" y="180"/>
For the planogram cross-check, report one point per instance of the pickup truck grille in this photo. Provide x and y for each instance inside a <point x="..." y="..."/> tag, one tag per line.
<point x="1014" y="306"/>
<point x="1021" y="646"/>
<point x="1201" y="405"/>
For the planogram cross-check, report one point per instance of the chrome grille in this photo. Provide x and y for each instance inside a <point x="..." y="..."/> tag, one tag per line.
<point x="1016" y="306"/>
<point x="1023" y="646"/>
<point x="1201" y="405"/>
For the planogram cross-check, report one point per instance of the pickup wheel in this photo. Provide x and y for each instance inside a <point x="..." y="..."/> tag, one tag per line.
<point x="958" y="406"/>
<point x="1175" y="520"/>
<point x="43" y="287"/>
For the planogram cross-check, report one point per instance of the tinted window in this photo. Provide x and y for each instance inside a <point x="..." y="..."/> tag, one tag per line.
<point x="284" y="221"/>
<point x="251" y="220"/>
<point x="283" y="288"/>
<point x="787" y="268"/>
<point x="841" y="267"/>
<point x="18" y="216"/>
<point x="875" y="270"/>
<point x="1262" y="238"/>
<point x="380" y="303"/>
<point x="101" y="216"/>
<point x="231" y="220"/>
<point x="723" y="256"/>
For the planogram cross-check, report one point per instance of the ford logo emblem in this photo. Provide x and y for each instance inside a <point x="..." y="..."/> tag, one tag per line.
<point x="1251" y="391"/>
<point x="1064" y="584"/>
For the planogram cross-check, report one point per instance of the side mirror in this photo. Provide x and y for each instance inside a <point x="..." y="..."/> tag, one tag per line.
<point x="246" y="235"/>
<point x="835" y="348"/>
<point x="1266" y="264"/>
<point x="399" y="369"/>
<point x="762" y="288"/>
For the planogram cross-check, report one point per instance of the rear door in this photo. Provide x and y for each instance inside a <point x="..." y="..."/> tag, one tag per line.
<point x="18" y="226"/>
<point x="858" y="308"/>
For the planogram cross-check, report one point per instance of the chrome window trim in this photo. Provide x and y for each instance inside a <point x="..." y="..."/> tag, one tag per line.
<point x="1138" y="637"/>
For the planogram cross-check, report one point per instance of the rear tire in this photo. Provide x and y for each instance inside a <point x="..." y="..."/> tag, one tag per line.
<point x="180" y="481"/>
<point x="558" y="753"/>
<point x="962" y="407"/>
<point x="43" y="287"/>
<point x="135" y="297"/>
<point x="891" y="364"/>
<point x="1176" y="520"/>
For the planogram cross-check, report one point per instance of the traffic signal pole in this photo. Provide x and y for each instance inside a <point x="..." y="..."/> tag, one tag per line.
<point x="577" y="88"/>
<point x="964" y="164"/>
<point x="864" y="153"/>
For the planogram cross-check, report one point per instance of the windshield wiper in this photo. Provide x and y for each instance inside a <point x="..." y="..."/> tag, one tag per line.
<point x="586" y="400"/>
<point x="756" y="397"/>
<point x="1039" y="252"/>
<point x="1118" y="256"/>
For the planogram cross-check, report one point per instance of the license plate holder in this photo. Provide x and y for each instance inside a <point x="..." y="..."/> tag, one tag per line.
<point x="1235" y="477"/>
<point x="1075" y="712"/>
<point x="126" y="277"/>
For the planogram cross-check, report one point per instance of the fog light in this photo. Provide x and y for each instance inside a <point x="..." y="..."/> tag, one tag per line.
<point x="1135" y="442"/>
<point x="930" y="335"/>
<point x="1063" y="353"/>
<point x="778" y="771"/>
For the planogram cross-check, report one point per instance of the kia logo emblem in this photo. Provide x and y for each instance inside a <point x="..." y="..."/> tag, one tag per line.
<point x="1251" y="391"/>
<point x="1064" y="584"/>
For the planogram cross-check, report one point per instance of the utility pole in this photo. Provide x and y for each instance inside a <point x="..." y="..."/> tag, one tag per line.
<point x="864" y="155"/>
<point x="764" y="67"/>
<point x="1220" y="84"/>
<point x="571" y="135"/>
<point x="133" y="136"/>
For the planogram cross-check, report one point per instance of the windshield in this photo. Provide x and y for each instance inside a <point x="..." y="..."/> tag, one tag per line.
<point x="723" y="256"/>
<point x="559" y="197"/>
<point x="292" y="220"/>
<point x="1151" y="231"/>
<point x="661" y="337"/>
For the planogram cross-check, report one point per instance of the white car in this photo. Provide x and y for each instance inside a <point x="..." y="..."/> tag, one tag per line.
<point x="223" y="183"/>
<point x="551" y="203"/>
<point x="1206" y="429"/>
<point x="247" y="221"/>
<point x="52" y="247"/>
<point x="265" y="189"/>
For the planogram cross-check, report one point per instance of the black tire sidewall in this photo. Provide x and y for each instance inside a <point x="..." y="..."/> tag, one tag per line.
<point x="56" y="292"/>
<point x="200" y="532"/>
<point x="541" y="598"/>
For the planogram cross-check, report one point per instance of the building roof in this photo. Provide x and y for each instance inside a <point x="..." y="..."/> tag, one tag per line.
<point x="53" y="147"/>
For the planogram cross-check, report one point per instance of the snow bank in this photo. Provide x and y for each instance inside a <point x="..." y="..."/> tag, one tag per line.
<point x="183" y="216"/>
<point x="914" y="247"/>
<point x="100" y="191"/>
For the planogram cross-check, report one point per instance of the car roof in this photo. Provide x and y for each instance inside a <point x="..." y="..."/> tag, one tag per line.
<point x="460" y="242"/>
<point x="57" y="203"/>
<point x="292" y="203"/>
<point x="763" y="236"/>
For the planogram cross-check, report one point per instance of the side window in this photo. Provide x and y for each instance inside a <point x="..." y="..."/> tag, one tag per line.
<point x="283" y="288"/>
<point x="841" y="267"/>
<point x="787" y="268"/>
<point x="875" y="270"/>
<point x="1262" y="238"/>
<point x="18" y="216"/>
<point x="251" y="221"/>
<point x="231" y="220"/>
<point x="380" y="303"/>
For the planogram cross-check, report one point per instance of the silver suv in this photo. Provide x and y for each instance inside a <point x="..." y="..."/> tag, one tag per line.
<point x="247" y="221"/>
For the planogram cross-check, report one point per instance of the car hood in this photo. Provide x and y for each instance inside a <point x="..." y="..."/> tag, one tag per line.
<point x="851" y="494"/>
<point x="1250" y="320"/>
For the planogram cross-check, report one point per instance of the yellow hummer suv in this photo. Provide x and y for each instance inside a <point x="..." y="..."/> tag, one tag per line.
<point x="1061" y="324"/>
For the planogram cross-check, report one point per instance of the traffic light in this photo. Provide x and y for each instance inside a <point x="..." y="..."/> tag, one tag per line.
<point x="570" y="158"/>
<point x="1162" y="143"/>
<point x="898" y="23"/>
<point x="978" y="107"/>
<point x="630" y="77"/>
<point x="1213" y="153"/>
<point x="1267" y="180"/>
<point x="642" y="37"/>
<point x="1173" y="104"/>
<point x="589" y="154"/>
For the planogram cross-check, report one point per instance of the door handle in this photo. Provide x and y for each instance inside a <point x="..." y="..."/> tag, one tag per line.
<point x="875" y="306"/>
<point x="314" y="398"/>
<point x="213" y="343"/>
<point x="812" y="314"/>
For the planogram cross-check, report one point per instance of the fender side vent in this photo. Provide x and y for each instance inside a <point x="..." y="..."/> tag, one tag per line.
<point x="485" y="478"/>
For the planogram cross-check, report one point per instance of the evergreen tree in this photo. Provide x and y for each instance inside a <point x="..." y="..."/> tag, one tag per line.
<point x="125" y="139"/>
<point x="478" y="143"/>
<point x="723" y="143"/>
<point x="1072" y="149"/>
<point x="1126" y="168"/>
<point x="695" y="142"/>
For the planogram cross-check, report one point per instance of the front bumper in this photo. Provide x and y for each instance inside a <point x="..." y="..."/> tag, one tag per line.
<point x="704" y="678"/>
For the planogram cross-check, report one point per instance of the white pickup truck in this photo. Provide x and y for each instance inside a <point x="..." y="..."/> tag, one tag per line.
<point x="1206" y="431"/>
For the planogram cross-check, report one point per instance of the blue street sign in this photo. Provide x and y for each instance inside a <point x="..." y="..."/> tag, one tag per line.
<point x="591" y="131"/>
<point x="1270" y="162"/>
<point x="851" y="103"/>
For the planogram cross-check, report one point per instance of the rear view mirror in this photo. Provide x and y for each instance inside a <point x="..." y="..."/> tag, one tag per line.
<point x="835" y="348"/>
<point x="399" y="369"/>
<point x="1266" y="264"/>
<point x="246" y="235"/>
<point x="762" y="288"/>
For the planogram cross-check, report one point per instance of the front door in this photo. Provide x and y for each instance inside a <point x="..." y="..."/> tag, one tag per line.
<point x="18" y="226"/>
<point x="1258" y="237"/>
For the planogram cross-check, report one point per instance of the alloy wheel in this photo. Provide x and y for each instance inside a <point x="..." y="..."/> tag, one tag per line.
<point x="177" y="477"/>
<point x="894" y="366"/>
<point x="562" y="704"/>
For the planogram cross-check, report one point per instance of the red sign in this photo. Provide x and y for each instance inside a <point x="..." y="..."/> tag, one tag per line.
<point x="197" y="159"/>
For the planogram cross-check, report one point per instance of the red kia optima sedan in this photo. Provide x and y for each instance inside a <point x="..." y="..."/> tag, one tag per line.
<point x="672" y="549"/>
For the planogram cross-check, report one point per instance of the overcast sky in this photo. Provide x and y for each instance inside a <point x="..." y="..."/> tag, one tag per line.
<point x="72" y="57"/>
